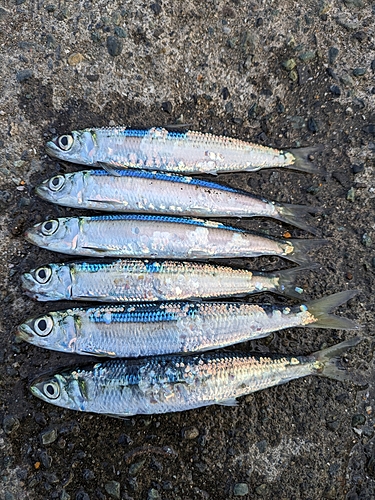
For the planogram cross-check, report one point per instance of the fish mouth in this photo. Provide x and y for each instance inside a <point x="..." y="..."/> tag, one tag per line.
<point x="53" y="150"/>
<point x="24" y="332"/>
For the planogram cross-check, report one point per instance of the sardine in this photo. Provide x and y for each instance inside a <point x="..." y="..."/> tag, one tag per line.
<point x="150" y="281"/>
<point x="127" y="331"/>
<point x="180" y="152"/>
<point x="175" y="383"/>
<point x="140" y="191"/>
<point x="160" y="238"/>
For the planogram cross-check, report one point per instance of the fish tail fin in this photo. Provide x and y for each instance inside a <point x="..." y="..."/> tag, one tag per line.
<point x="296" y="215"/>
<point x="287" y="281"/>
<point x="302" y="160"/>
<point x="329" y="361"/>
<point x="321" y="309"/>
<point x="301" y="248"/>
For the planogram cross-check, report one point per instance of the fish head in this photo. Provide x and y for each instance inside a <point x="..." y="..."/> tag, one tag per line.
<point x="79" y="146"/>
<point x="62" y="189"/>
<point x="59" y="235"/>
<point x="67" y="390"/>
<point x="50" y="282"/>
<point x="55" y="330"/>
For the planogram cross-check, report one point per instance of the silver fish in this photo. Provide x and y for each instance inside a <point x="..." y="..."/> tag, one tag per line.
<point x="160" y="238"/>
<point x="140" y="191"/>
<point x="180" y="152"/>
<point x="176" y="383"/>
<point x="127" y="331"/>
<point x="150" y="281"/>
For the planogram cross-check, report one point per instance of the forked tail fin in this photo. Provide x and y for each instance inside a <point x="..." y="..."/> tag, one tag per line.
<point x="297" y="215"/>
<point x="321" y="308"/>
<point x="301" y="248"/>
<point x="302" y="161"/>
<point x="329" y="361"/>
<point x="287" y="281"/>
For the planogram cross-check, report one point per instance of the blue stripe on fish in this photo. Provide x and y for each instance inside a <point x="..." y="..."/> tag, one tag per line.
<point x="159" y="176"/>
<point x="162" y="218"/>
<point x="143" y="313"/>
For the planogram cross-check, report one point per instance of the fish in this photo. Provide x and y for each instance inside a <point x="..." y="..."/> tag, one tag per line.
<point x="132" y="331"/>
<point x="127" y="280"/>
<point x="180" y="152"/>
<point x="163" y="193"/>
<point x="161" y="384"/>
<point x="160" y="237"/>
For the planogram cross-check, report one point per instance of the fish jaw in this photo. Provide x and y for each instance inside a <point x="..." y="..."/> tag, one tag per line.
<point x="83" y="147"/>
<point x="59" y="235"/>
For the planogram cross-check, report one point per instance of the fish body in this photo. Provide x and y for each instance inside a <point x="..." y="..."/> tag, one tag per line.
<point x="176" y="327"/>
<point x="179" y="152"/>
<point x="176" y="383"/>
<point x="148" y="281"/>
<point x="140" y="191"/>
<point x="159" y="237"/>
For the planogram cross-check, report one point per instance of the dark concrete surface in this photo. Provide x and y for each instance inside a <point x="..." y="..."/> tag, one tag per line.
<point x="279" y="73"/>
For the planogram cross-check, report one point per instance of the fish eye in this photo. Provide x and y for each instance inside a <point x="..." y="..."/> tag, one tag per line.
<point x="43" y="326"/>
<point x="49" y="227"/>
<point x="56" y="182"/>
<point x="65" y="142"/>
<point x="43" y="274"/>
<point x="51" y="389"/>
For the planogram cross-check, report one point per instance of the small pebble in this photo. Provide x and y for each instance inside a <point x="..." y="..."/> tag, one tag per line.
<point x="289" y="64"/>
<point x="229" y="108"/>
<point x="359" y="71"/>
<point x="153" y="494"/>
<point x="92" y="78"/>
<point x="136" y="467"/>
<point x="366" y="240"/>
<point x="312" y="125"/>
<point x="293" y="75"/>
<point x="350" y="196"/>
<point x="50" y="7"/>
<point x="358" y="419"/>
<point x="75" y="59"/>
<point x="335" y="90"/>
<point x="167" y="107"/>
<point x="64" y="495"/>
<point x="156" y="8"/>
<point x="261" y="490"/>
<point x="113" y="489"/>
<point x="10" y="424"/>
<point x="120" y="32"/>
<point x="369" y="129"/>
<point x="252" y="111"/>
<point x="240" y="489"/>
<point x="46" y="459"/>
<point x="307" y="56"/>
<point x="358" y="168"/>
<point x="48" y="436"/>
<point x="349" y="276"/>
<point x="333" y="52"/>
<point x="24" y="75"/>
<point x="190" y="433"/>
<point x="88" y="475"/>
<point x="3" y="13"/>
<point x="225" y="93"/>
<point x="114" y="46"/>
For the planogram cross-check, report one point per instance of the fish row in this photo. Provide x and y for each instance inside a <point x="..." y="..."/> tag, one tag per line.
<point x="151" y="316"/>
